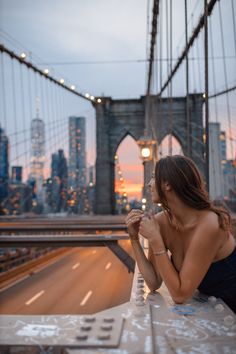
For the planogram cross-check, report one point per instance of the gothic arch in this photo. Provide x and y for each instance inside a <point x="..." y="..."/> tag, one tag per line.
<point x="116" y="119"/>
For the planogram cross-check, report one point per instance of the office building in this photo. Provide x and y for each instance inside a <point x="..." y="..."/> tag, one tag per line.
<point x="58" y="182"/>
<point x="77" y="163"/>
<point x="16" y="174"/>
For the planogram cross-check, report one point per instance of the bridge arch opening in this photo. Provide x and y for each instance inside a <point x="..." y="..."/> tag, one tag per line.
<point x="128" y="176"/>
<point x="170" y="145"/>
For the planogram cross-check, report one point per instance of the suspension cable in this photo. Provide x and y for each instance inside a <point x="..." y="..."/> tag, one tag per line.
<point x="234" y="27"/>
<point x="226" y="80"/>
<point x="42" y="73"/>
<point x="187" y="79"/>
<point x="196" y="31"/>
<point x="213" y="71"/>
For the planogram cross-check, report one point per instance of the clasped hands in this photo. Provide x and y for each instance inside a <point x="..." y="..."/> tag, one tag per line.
<point x="144" y="224"/>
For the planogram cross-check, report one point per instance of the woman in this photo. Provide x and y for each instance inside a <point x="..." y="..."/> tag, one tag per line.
<point x="196" y="233"/>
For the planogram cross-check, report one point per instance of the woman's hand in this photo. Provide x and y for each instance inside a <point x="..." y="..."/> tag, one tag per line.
<point x="133" y="221"/>
<point x="150" y="229"/>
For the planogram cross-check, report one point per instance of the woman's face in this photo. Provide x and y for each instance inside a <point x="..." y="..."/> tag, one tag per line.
<point x="154" y="193"/>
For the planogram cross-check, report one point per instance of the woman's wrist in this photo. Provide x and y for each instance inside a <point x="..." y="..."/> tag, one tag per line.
<point x="157" y="245"/>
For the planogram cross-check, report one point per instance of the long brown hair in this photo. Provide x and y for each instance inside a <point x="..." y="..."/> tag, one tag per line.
<point x="186" y="181"/>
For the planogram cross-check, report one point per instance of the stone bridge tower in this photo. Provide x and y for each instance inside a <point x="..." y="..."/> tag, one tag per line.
<point x="116" y="119"/>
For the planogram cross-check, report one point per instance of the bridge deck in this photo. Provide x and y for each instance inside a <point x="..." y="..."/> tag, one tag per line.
<point x="147" y="324"/>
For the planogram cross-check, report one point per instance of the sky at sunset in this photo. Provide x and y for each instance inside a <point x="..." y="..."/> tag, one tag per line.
<point x="101" y="46"/>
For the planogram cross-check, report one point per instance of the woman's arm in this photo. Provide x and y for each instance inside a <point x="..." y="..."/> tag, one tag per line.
<point x="198" y="257"/>
<point x="151" y="276"/>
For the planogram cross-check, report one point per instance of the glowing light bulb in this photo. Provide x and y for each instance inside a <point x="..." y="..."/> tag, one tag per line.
<point x="23" y="55"/>
<point x="145" y="152"/>
<point x="46" y="71"/>
<point x="62" y="81"/>
<point x="72" y="87"/>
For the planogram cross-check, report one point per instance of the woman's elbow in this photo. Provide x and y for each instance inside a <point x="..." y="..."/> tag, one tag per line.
<point x="180" y="298"/>
<point x="154" y="285"/>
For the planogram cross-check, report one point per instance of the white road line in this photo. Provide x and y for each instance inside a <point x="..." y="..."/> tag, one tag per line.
<point x="76" y="266"/>
<point x="35" y="297"/>
<point x="108" y="266"/>
<point x="85" y="299"/>
<point x="94" y="251"/>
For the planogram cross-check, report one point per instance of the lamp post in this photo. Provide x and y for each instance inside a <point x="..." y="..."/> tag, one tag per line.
<point x="148" y="154"/>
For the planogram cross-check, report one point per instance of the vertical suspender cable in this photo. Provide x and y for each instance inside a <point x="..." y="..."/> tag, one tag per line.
<point x="213" y="69"/>
<point x="160" y="75"/>
<point x="193" y="62"/>
<point x="170" y="85"/>
<point x="187" y="80"/>
<point x="48" y="128"/>
<point x="199" y="67"/>
<point x="233" y="17"/>
<point x="147" y="40"/>
<point x="4" y="95"/>
<point x="24" y="120"/>
<point x="14" y="113"/>
<point x="227" y="95"/>
<point x="206" y="92"/>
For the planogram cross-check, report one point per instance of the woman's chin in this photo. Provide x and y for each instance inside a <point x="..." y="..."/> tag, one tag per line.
<point x="155" y="200"/>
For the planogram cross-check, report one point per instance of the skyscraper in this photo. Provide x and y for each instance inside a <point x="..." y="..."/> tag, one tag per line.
<point x="77" y="159"/>
<point x="4" y="164"/>
<point x="16" y="174"/>
<point x="59" y="176"/>
<point x="37" y="155"/>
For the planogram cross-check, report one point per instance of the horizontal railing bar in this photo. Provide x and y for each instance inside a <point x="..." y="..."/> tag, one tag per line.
<point x="20" y="227"/>
<point x="58" y="240"/>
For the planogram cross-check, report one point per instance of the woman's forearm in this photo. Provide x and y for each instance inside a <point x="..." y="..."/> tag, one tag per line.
<point x="152" y="279"/>
<point x="168" y="273"/>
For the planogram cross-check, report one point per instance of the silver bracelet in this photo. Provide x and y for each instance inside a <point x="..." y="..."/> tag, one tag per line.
<point x="159" y="253"/>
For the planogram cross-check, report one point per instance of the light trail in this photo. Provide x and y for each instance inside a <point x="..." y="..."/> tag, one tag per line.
<point x="76" y="266"/>
<point x="85" y="299"/>
<point x="108" y="266"/>
<point x="35" y="297"/>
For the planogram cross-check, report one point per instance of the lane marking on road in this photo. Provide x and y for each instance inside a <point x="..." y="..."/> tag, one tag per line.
<point x="108" y="266"/>
<point x="85" y="299"/>
<point x="35" y="297"/>
<point x="76" y="266"/>
<point x="94" y="251"/>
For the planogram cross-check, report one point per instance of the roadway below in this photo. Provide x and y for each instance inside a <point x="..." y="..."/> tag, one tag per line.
<point x="84" y="280"/>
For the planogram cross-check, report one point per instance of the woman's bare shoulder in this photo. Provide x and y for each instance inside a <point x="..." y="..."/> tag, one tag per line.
<point x="162" y="218"/>
<point x="209" y="219"/>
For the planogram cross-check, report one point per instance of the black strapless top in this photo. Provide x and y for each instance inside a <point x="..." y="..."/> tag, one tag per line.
<point x="220" y="280"/>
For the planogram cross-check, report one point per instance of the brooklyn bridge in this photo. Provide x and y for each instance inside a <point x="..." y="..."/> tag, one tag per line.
<point x="120" y="85"/>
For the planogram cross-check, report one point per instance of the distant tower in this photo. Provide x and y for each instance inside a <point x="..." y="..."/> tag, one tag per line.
<point x="77" y="159"/>
<point x="37" y="152"/>
<point x="4" y="164"/>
